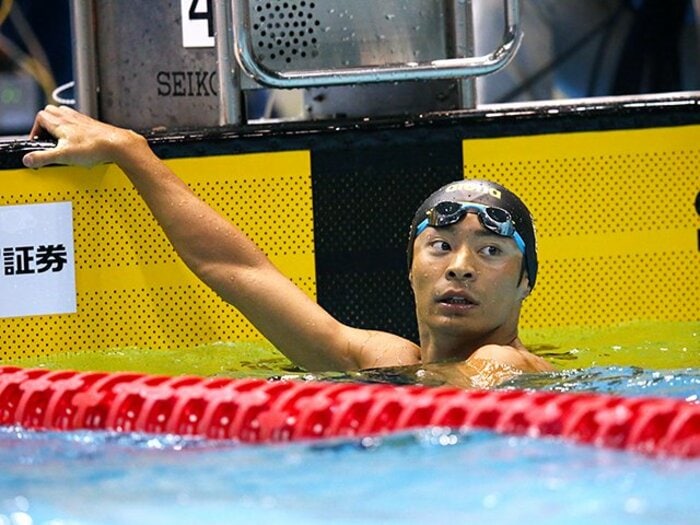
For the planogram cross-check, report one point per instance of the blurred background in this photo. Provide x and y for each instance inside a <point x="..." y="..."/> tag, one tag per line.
<point x="571" y="49"/>
<point x="587" y="48"/>
<point x="35" y="58"/>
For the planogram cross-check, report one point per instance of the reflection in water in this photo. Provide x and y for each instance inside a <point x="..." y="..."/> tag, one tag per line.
<point x="628" y="381"/>
<point x="428" y="476"/>
<point x="655" y="358"/>
<point x="477" y="373"/>
<point x="681" y="383"/>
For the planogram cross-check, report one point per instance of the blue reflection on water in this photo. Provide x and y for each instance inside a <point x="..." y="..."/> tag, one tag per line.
<point x="623" y="380"/>
<point x="429" y="476"/>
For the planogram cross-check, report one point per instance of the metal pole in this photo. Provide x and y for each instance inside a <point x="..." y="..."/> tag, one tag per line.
<point x="463" y="45"/>
<point x="230" y="96"/>
<point x="84" y="58"/>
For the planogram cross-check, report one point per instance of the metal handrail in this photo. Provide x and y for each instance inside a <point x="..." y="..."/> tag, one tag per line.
<point x="451" y="68"/>
<point x="84" y="56"/>
<point x="230" y="103"/>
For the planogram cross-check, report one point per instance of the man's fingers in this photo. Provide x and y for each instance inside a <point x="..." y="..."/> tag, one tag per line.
<point x="38" y="130"/>
<point x="79" y="138"/>
<point x="46" y="123"/>
<point x="38" y="159"/>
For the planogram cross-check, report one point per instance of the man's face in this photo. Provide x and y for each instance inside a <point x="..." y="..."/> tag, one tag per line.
<point x="466" y="281"/>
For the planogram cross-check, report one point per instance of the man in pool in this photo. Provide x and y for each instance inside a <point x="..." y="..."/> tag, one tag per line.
<point x="472" y="261"/>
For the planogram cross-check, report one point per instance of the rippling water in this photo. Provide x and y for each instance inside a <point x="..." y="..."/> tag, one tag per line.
<point x="647" y="344"/>
<point x="681" y="383"/>
<point x="640" y="358"/>
<point x="431" y="476"/>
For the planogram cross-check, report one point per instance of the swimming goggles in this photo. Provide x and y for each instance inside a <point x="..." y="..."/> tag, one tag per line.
<point x="496" y="220"/>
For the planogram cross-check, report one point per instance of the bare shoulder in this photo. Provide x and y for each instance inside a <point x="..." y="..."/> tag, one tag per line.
<point x="374" y="349"/>
<point x="518" y="358"/>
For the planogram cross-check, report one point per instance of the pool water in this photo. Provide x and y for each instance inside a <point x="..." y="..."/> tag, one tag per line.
<point x="648" y="344"/>
<point x="429" y="476"/>
<point x="640" y="358"/>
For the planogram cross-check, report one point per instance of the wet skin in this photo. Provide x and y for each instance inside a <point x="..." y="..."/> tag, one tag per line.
<point x="468" y="289"/>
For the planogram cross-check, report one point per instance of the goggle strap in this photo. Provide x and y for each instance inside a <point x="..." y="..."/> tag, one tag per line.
<point x="421" y="227"/>
<point x="519" y="241"/>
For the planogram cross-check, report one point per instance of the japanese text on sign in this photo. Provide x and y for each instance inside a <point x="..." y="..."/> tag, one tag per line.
<point x="37" y="266"/>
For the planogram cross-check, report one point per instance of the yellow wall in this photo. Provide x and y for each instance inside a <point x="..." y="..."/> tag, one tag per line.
<point x="615" y="217"/>
<point x="132" y="289"/>
<point x="616" y="223"/>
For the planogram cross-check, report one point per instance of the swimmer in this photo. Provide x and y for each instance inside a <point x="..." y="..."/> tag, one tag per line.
<point x="472" y="261"/>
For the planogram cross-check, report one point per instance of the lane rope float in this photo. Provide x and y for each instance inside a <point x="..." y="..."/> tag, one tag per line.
<point x="261" y="411"/>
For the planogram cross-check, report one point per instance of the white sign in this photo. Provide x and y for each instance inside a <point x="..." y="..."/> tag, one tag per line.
<point x="197" y="23"/>
<point x="37" y="262"/>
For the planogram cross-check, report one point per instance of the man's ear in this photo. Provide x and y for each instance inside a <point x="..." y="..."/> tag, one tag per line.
<point x="524" y="288"/>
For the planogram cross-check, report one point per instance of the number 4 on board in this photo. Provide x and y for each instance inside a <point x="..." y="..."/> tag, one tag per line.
<point x="197" y="23"/>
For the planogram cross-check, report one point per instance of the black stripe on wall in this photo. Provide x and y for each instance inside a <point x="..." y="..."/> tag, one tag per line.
<point x="364" y="199"/>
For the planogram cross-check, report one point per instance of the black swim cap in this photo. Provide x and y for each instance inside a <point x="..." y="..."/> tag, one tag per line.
<point x="490" y="194"/>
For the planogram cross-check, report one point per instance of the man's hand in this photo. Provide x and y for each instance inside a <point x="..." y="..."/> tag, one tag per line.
<point x="82" y="140"/>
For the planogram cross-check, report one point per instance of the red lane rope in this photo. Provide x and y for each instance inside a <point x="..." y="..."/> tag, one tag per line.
<point x="259" y="411"/>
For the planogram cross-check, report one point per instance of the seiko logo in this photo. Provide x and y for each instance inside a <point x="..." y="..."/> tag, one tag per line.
<point x="186" y="83"/>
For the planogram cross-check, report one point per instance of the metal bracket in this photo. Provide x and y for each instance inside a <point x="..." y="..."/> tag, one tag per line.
<point x="452" y="68"/>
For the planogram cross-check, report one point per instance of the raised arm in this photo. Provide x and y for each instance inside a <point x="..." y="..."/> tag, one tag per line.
<point x="218" y="252"/>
